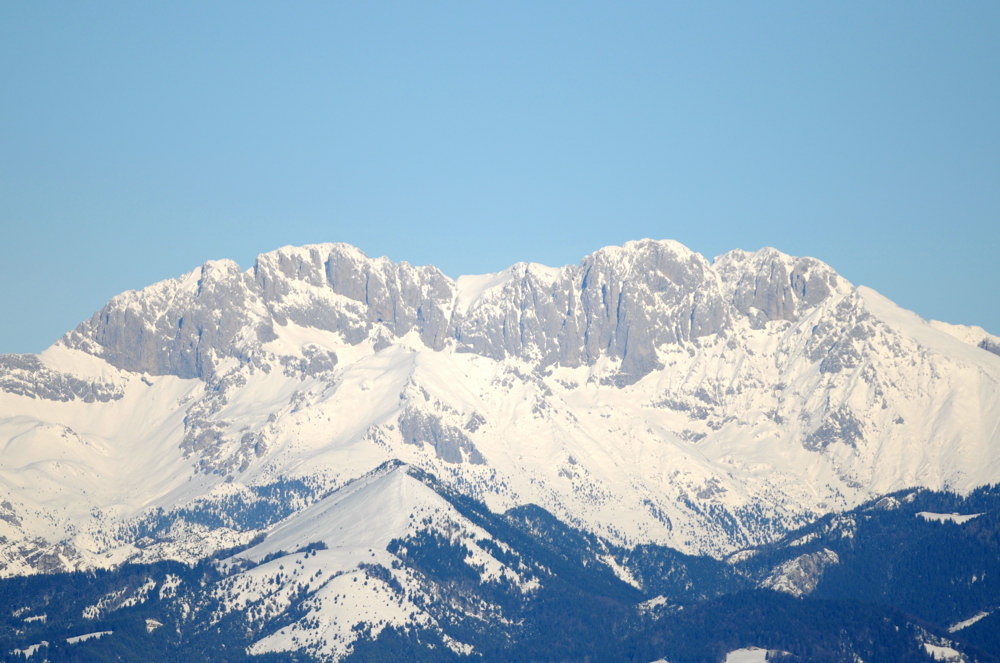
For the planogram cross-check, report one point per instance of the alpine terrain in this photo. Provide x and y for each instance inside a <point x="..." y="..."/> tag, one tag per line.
<point x="648" y="456"/>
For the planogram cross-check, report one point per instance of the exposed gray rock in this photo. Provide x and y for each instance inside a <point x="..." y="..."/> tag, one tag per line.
<point x="768" y="289"/>
<point x="811" y="281"/>
<point x="839" y="341"/>
<point x="210" y="440"/>
<point x="315" y="362"/>
<point x="179" y="327"/>
<point x="26" y="375"/>
<point x="475" y="422"/>
<point x="450" y="444"/>
<point x="769" y="285"/>
<point x="990" y="345"/>
<point x="643" y="295"/>
<point x="840" y="426"/>
<point x="620" y="302"/>
<point x="366" y="292"/>
<point x="8" y="514"/>
<point x="524" y="318"/>
<point x="694" y="410"/>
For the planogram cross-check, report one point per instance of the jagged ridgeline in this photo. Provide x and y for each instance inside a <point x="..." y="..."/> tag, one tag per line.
<point x="620" y="303"/>
<point x="351" y="456"/>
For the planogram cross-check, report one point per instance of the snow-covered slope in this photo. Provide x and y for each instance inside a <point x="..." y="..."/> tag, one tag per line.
<point x="337" y="551"/>
<point x="645" y="394"/>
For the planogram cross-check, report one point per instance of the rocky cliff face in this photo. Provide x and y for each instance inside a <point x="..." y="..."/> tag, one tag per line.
<point x="620" y="303"/>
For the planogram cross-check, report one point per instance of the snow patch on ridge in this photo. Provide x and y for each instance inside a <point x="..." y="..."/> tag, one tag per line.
<point x="957" y="518"/>
<point x="966" y="623"/>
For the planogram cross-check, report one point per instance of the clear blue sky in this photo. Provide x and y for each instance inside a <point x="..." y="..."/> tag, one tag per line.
<point x="138" y="140"/>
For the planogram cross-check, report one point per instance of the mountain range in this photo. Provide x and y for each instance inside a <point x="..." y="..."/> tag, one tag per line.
<point x="361" y="451"/>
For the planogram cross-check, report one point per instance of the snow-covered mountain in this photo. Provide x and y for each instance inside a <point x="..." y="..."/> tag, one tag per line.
<point x="644" y="395"/>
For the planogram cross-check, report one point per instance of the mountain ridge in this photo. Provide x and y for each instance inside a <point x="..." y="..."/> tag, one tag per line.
<point x="644" y="394"/>
<point x="402" y="297"/>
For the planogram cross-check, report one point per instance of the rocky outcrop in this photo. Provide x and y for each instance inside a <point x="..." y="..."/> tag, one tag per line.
<point x="26" y="375"/>
<point x="338" y="288"/>
<point x="450" y="444"/>
<point x="801" y="575"/>
<point x="181" y="326"/>
<point x="620" y="302"/>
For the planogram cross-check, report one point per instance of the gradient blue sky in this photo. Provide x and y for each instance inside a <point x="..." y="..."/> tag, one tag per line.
<point x="138" y="140"/>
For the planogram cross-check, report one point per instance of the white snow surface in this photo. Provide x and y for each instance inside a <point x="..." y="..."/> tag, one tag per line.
<point x="966" y="623"/>
<point x="944" y="653"/>
<point x="356" y="525"/>
<point x="87" y="636"/>
<point x="957" y="518"/>
<point x="747" y="655"/>
<point x="30" y="651"/>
